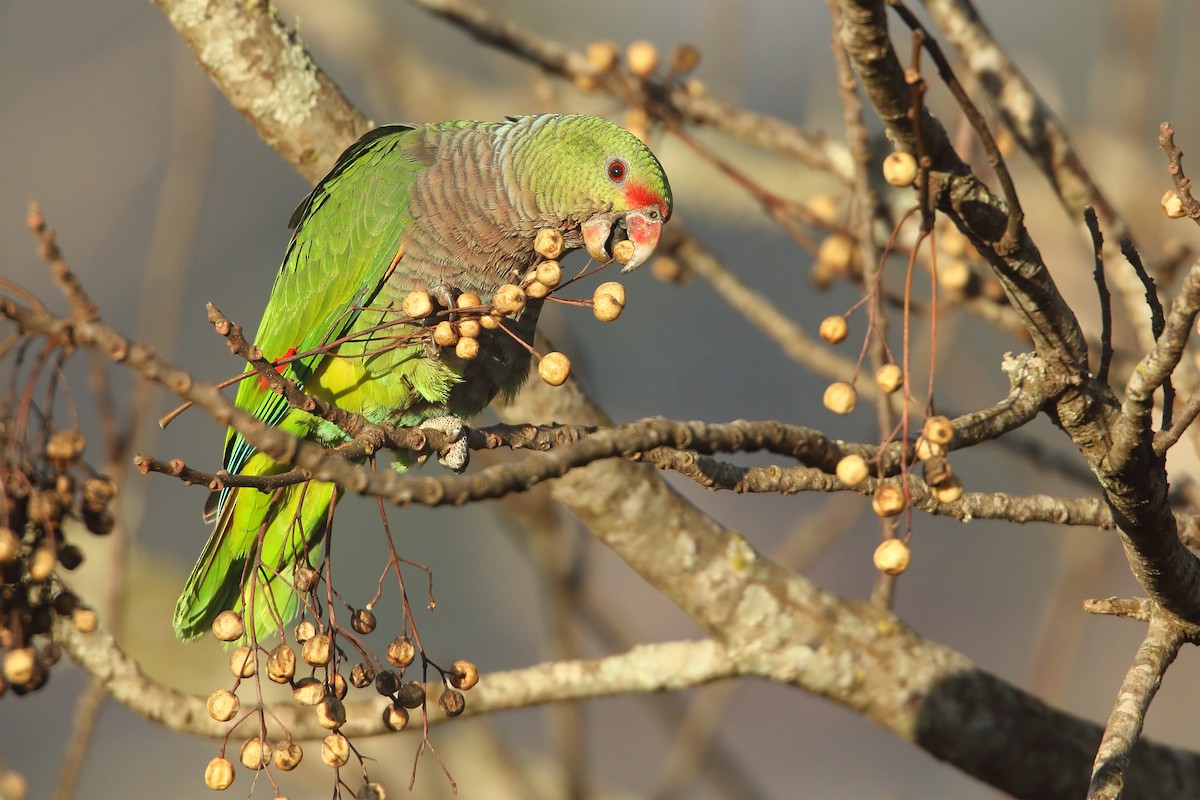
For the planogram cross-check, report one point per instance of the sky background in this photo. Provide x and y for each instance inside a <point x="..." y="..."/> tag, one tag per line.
<point x="164" y="199"/>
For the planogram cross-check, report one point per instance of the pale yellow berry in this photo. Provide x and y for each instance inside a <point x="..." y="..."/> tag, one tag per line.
<point x="335" y="750"/>
<point x="585" y="82"/>
<point x="669" y="270"/>
<point x="401" y="652"/>
<point x="900" y="169"/>
<point x="20" y="665"/>
<point x="549" y="273"/>
<point x="218" y="775"/>
<point x="490" y="322"/>
<point x="305" y="630"/>
<point x="465" y="675"/>
<point x="308" y="691"/>
<point x="318" y="651"/>
<point x="623" y="251"/>
<point x="13" y="785"/>
<point x="834" y="329"/>
<point x="603" y="57"/>
<point x="637" y="122"/>
<point x="228" y="626"/>
<point x="837" y="252"/>
<point x="288" y="755"/>
<point x="606" y="308"/>
<point x="242" y="662"/>
<point x="549" y="243"/>
<point x="536" y="290"/>
<point x="255" y="754"/>
<point x="444" y="334"/>
<point x="938" y="430"/>
<point x="468" y="300"/>
<point x="695" y="88"/>
<point x="642" y="58"/>
<point x="611" y="287"/>
<point x="888" y="500"/>
<point x="470" y="328"/>
<point x="10" y="546"/>
<point x="841" y="397"/>
<point x="509" y="299"/>
<point x="281" y="664"/>
<point x="41" y="564"/>
<point x="825" y="208"/>
<point x="926" y="449"/>
<point x="852" y="469"/>
<point x="85" y="620"/>
<point x="417" y="304"/>
<point x="684" y="58"/>
<point x="891" y="557"/>
<point x="954" y="274"/>
<point x="949" y="491"/>
<point x="608" y="301"/>
<point x="1172" y="205"/>
<point x="223" y="705"/>
<point x="952" y="241"/>
<point x="554" y="368"/>
<point x="467" y="348"/>
<point x="889" y="378"/>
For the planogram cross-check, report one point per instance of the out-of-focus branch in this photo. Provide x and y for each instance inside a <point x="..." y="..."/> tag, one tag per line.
<point x="668" y="100"/>
<point x="1040" y="134"/>
<point x="918" y="689"/>
<point x="642" y="670"/>
<point x="266" y="74"/>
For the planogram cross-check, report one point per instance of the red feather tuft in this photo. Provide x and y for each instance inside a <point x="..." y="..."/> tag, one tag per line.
<point x="638" y="195"/>
<point x="291" y="351"/>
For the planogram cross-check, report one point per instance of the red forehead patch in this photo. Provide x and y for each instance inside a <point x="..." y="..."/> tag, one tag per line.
<point x="638" y="195"/>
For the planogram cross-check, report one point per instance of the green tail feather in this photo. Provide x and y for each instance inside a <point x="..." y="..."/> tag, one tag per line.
<point x="295" y="521"/>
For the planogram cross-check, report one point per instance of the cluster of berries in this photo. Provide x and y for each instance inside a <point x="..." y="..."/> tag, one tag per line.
<point x="49" y="494"/>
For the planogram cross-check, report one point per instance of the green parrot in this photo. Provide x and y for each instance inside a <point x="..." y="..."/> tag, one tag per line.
<point x="447" y="208"/>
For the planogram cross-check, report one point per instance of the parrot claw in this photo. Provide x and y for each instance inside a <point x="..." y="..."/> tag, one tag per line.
<point x="456" y="455"/>
<point x="445" y="294"/>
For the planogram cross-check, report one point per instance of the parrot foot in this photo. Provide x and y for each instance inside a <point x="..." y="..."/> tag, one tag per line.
<point x="456" y="455"/>
<point x="446" y="295"/>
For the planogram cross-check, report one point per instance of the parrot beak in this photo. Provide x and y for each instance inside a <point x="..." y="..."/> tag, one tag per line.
<point x="644" y="227"/>
<point x="596" y="233"/>
<point x="641" y="226"/>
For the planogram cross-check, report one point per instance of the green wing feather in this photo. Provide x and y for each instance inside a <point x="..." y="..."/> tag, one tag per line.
<point x="347" y="233"/>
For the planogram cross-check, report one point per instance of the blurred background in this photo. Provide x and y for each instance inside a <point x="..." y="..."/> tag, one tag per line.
<point x="164" y="199"/>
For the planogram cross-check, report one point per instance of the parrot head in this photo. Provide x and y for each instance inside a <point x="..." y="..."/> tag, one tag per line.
<point x="607" y="181"/>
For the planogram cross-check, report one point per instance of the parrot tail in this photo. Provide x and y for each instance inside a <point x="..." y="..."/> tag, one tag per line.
<point x="250" y="557"/>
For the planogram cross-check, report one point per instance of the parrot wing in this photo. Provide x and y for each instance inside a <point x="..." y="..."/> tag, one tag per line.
<point x="347" y="236"/>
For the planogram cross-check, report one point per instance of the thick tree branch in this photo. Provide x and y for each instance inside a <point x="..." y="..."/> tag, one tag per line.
<point x="1135" y="483"/>
<point x="266" y="74"/>
<point x="920" y="690"/>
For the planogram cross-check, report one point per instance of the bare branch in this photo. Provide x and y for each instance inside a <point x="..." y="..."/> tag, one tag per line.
<point x="1163" y="640"/>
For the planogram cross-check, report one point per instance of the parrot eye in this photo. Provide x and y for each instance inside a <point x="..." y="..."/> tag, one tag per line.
<point x="616" y="170"/>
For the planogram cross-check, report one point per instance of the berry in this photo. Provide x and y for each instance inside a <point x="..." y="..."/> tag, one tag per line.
<point x="840" y="397"/>
<point x="554" y="368"/>
<point x="891" y="557"/>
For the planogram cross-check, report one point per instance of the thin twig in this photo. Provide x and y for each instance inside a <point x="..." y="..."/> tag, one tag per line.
<point x="1106" y="347"/>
